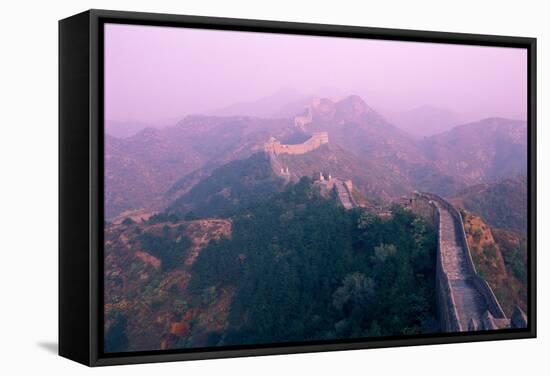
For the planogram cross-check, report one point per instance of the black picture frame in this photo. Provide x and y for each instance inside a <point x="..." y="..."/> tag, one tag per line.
<point x="81" y="184"/>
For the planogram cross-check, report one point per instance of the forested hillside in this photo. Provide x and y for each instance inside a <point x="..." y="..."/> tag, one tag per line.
<point x="503" y="204"/>
<point x="299" y="255"/>
<point x="230" y="187"/>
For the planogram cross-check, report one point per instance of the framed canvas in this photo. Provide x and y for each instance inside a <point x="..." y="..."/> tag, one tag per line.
<point x="234" y="187"/>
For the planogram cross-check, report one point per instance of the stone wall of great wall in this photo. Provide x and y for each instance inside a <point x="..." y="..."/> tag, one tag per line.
<point x="343" y="188"/>
<point x="448" y="315"/>
<point x="326" y="182"/>
<point x="465" y="300"/>
<point x="314" y="142"/>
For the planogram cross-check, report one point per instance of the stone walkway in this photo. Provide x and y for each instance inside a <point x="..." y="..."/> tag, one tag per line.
<point x="343" y="194"/>
<point x="469" y="302"/>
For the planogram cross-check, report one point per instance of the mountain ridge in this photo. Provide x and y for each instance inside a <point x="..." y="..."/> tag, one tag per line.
<point x="166" y="163"/>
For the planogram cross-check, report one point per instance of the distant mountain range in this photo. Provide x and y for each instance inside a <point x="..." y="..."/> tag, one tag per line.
<point x="283" y="103"/>
<point x="425" y="121"/>
<point x="157" y="166"/>
<point x="123" y="129"/>
<point x="140" y="169"/>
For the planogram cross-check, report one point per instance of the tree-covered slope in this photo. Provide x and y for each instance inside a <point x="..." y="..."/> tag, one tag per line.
<point x="305" y="269"/>
<point x="503" y="205"/>
<point x="229" y="188"/>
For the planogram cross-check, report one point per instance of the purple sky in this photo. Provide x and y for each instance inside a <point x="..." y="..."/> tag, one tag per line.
<point x="157" y="73"/>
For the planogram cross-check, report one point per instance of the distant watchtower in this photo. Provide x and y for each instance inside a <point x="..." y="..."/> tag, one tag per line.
<point x="303" y="120"/>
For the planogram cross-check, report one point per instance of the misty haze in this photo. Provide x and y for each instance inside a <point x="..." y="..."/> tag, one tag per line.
<point x="265" y="188"/>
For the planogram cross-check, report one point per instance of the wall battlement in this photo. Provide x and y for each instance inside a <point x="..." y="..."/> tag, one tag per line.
<point x="314" y="142"/>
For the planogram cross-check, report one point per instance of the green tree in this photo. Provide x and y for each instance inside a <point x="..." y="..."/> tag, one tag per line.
<point x="170" y="252"/>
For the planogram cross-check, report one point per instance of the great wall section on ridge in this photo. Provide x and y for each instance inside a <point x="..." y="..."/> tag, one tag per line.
<point x="314" y="142"/>
<point x="324" y="181"/>
<point x="466" y="302"/>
